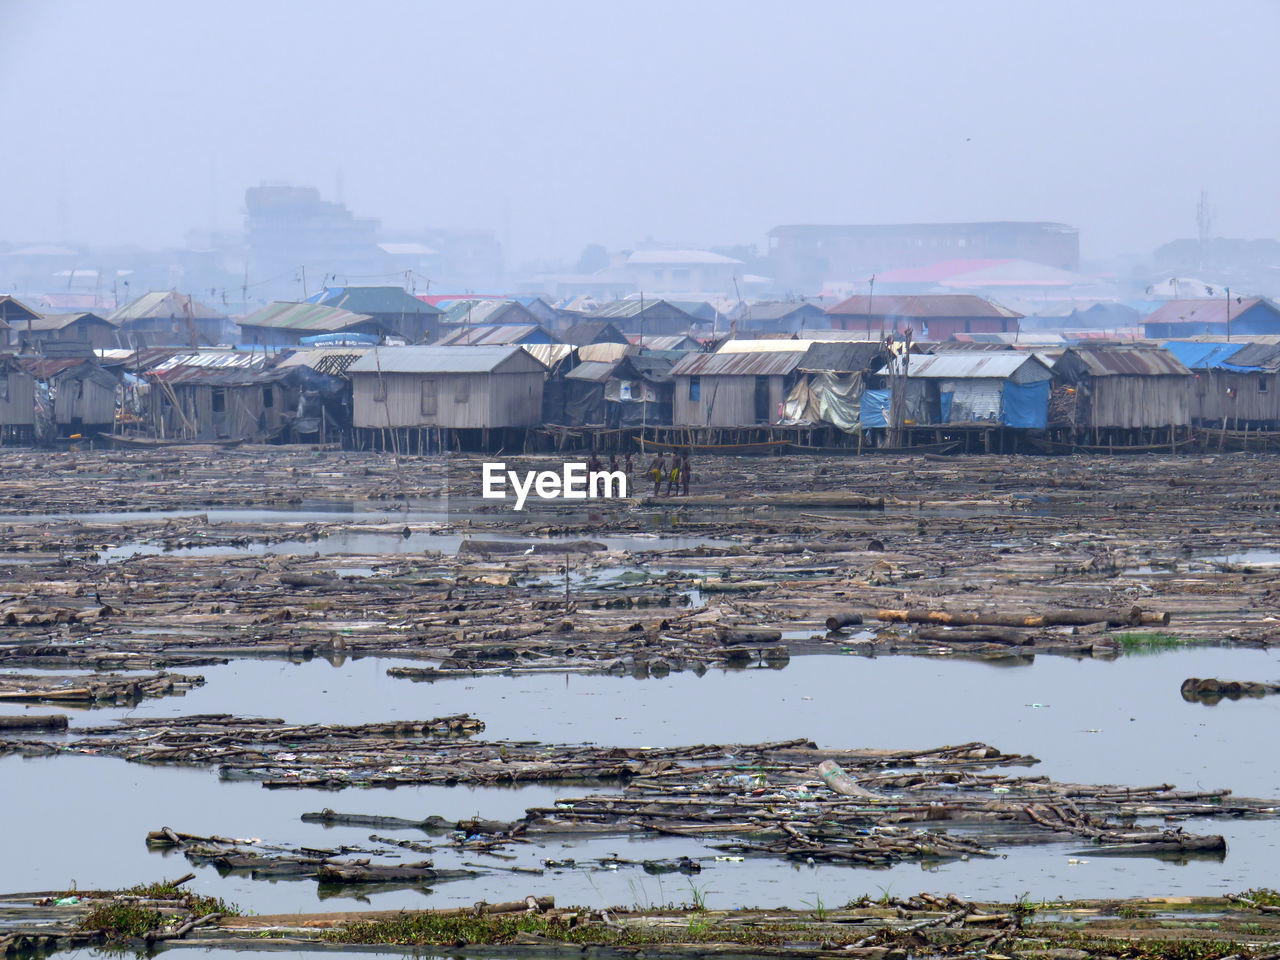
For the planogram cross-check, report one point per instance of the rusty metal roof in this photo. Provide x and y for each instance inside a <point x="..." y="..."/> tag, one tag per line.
<point x="772" y="363"/>
<point x="216" y="369"/>
<point x="1111" y="361"/>
<point x="924" y="306"/>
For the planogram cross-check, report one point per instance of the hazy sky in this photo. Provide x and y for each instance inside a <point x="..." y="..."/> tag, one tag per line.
<point x="559" y="123"/>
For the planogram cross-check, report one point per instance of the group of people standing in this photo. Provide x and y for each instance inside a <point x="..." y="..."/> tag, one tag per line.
<point x="676" y="475"/>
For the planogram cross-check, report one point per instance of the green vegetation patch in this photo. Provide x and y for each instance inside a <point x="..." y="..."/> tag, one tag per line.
<point x="1154" y="642"/>
<point x="425" y="929"/>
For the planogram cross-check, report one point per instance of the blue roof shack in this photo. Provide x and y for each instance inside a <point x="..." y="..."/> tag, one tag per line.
<point x="1235" y="383"/>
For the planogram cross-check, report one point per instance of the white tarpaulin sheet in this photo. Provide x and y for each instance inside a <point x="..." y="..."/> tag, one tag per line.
<point x="826" y="398"/>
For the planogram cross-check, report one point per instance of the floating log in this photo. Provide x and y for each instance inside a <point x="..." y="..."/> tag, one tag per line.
<point x="35" y="721"/>
<point x="1049" y="618"/>
<point x="728" y="634"/>
<point x="843" y="618"/>
<point x="331" y="819"/>
<point x="381" y="873"/>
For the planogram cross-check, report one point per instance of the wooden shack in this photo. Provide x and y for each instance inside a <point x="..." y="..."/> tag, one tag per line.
<point x="1121" y="394"/>
<point x="14" y="316"/>
<point x="1236" y="384"/>
<point x="648" y="317"/>
<point x="87" y="328"/>
<point x="1006" y="388"/>
<point x="84" y="395"/>
<point x="730" y="389"/>
<point x="17" y="402"/>
<point x="218" y="396"/>
<point x="420" y="397"/>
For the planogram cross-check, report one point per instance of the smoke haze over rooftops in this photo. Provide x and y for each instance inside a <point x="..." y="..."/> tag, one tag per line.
<point x="556" y="124"/>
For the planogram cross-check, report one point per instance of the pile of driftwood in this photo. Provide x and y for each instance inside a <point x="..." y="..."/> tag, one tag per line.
<point x="93" y="689"/>
<point x="1012" y="551"/>
<point x="329" y="866"/>
<point x="787" y="799"/>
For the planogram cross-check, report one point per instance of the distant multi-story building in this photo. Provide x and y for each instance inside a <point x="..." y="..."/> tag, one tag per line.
<point x="290" y="228"/>
<point x="806" y="256"/>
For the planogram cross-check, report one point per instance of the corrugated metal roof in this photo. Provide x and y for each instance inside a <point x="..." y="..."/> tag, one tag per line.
<point x="216" y="369"/>
<point x="969" y="365"/>
<point x="477" y="312"/>
<point x="438" y="359"/>
<point x="491" y="334"/>
<point x="1209" y="311"/>
<point x="369" y="300"/>
<point x="738" y="364"/>
<point x="764" y="346"/>
<point x="60" y="321"/>
<point x="923" y="306"/>
<point x="312" y="317"/>
<point x="1109" y="361"/>
<point x="594" y="371"/>
<point x="163" y="304"/>
<point x="675" y="341"/>
<point x="625" y="309"/>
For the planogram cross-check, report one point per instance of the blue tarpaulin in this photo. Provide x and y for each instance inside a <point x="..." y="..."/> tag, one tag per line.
<point x="875" y="409"/>
<point x="944" y="405"/>
<point x="1025" y="406"/>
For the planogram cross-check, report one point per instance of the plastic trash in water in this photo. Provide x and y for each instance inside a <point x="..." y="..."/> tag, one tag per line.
<point x="730" y="859"/>
<point x="66" y="901"/>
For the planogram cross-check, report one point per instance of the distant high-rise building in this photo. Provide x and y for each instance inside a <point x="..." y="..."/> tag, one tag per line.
<point x="289" y="229"/>
<point x="808" y="255"/>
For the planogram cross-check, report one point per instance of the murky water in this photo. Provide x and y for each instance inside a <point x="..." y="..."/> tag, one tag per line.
<point x="84" y="818"/>
<point x="394" y="543"/>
